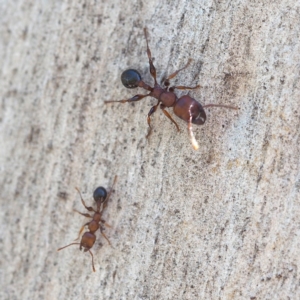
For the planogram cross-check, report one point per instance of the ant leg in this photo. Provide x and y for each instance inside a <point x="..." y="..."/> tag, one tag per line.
<point x="152" y="68"/>
<point x="86" y="215"/>
<point x="108" y="196"/>
<point x="101" y="230"/>
<point x="89" y="208"/>
<point x="220" y="105"/>
<point x="67" y="246"/>
<point x="167" y="80"/>
<point x="151" y="112"/>
<point x="169" y="116"/>
<point x="80" y="231"/>
<point x="183" y="87"/>
<point x="92" y="260"/>
<point x="190" y="128"/>
<point x="132" y="99"/>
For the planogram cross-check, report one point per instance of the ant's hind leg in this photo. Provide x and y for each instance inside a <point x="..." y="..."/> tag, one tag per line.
<point x="81" y="229"/>
<point x="169" y="116"/>
<point x="68" y="246"/>
<point x="219" y="105"/>
<point x="151" y="112"/>
<point x="104" y="235"/>
<point x="92" y="260"/>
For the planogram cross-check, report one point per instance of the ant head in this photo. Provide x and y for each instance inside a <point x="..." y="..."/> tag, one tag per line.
<point x="130" y="78"/>
<point x="100" y="194"/>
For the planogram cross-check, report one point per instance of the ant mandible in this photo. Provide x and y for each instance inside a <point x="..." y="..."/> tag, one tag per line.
<point x="88" y="239"/>
<point x="185" y="107"/>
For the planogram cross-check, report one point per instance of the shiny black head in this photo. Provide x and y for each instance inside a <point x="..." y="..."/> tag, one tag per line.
<point x="100" y="194"/>
<point x="130" y="78"/>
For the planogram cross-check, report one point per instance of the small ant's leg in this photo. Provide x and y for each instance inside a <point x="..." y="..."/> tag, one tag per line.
<point x="104" y="222"/>
<point x="219" y="105"/>
<point x="183" y="87"/>
<point x="151" y="112"/>
<point x="167" y="80"/>
<point x="67" y="246"/>
<point x="132" y="99"/>
<point x="92" y="260"/>
<point x="169" y="116"/>
<point x="80" y="231"/>
<point x="111" y="190"/>
<point x="192" y="137"/>
<point x="101" y="230"/>
<point x="86" y="215"/>
<point x="152" y="68"/>
<point x="89" y="208"/>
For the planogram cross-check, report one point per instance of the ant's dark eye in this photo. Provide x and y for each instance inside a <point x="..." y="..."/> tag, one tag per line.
<point x="100" y="193"/>
<point x="130" y="78"/>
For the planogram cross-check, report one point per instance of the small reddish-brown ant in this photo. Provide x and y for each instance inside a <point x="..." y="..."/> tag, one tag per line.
<point x="88" y="239"/>
<point x="185" y="107"/>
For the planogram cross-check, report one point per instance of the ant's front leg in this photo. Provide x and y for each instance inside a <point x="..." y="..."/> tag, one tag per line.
<point x="89" y="208"/>
<point x="151" y="112"/>
<point x="108" y="196"/>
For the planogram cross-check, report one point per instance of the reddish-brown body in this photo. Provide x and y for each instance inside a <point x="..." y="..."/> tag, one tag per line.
<point x="168" y="99"/>
<point x="88" y="238"/>
<point x="185" y="107"/>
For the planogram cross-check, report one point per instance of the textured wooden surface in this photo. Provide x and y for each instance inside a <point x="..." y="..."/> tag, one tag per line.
<point x="222" y="222"/>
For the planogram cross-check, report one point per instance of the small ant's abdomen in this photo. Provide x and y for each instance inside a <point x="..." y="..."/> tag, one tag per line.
<point x="187" y="106"/>
<point x="87" y="241"/>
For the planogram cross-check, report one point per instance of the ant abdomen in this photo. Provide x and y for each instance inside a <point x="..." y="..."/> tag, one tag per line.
<point x="130" y="78"/>
<point x="186" y="107"/>
<point x="87" y="241"/>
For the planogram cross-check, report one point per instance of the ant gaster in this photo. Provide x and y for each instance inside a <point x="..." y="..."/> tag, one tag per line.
<point x="88" y="239"/>
<point x="185" y="107"/>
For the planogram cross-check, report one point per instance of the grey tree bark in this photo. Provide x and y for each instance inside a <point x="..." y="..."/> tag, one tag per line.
<point x="218" y="223"/>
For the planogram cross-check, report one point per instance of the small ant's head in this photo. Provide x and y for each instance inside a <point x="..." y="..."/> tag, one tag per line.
<point x="130" y="78"/>
<point x="100" y="194"/>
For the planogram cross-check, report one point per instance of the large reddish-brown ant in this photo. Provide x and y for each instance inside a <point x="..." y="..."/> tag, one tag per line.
<point x="88" y="239"/>
<point x="185" y="107"/>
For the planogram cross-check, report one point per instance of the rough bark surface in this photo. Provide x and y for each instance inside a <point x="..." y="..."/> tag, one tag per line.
<point x="222" y="222"/>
